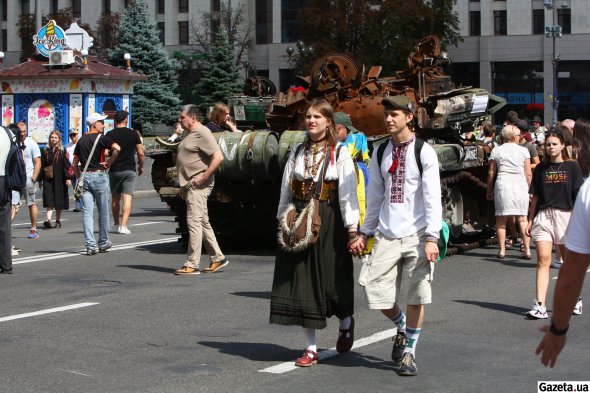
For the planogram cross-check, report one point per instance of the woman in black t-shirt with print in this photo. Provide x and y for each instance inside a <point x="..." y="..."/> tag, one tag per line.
<point x="555" y="185"/>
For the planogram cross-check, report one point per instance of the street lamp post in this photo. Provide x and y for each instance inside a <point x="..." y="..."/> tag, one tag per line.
<point x="554" y="32"/>
<point x="304" y="51"/>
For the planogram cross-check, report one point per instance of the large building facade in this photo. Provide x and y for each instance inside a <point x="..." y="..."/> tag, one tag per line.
<point x="504" y="47"/>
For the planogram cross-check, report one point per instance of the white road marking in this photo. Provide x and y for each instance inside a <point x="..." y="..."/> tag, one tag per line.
<point x="24" y="224"/>
<point x="328" y="353"/>
<point x="146" y="223"/>
<point x="69" y="254"/>
<point x="73" y="372"/>
<point x="48" y="311"/>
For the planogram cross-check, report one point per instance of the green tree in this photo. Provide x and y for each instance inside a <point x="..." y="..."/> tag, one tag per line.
<point x="221" y="79"/>
<point x="26" y="30"/>
<point x="154" y="100"/>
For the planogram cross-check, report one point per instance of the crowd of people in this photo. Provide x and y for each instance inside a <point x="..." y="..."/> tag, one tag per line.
<point x="388" y="205"/>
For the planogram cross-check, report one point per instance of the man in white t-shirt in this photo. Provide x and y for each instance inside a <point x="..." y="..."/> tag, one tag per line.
<point x="570" y="280"/>
<point x="33" y="167"/>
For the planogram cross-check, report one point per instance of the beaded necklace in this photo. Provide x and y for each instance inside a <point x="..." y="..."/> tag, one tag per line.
<point x="312" y="168"/>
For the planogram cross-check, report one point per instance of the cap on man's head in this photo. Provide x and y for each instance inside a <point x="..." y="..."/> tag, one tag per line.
<point x="74" y="131"/>
<point x="120" y="116"/>
<point x="93" y="118"/>
<point x="399" y="102"/>
<point x="344" y="119"/>
<point x="537" y="119"/>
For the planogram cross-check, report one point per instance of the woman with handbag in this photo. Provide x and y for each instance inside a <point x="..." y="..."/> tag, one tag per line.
<point x="313" y="276"/>
<point x="56" y="175"/>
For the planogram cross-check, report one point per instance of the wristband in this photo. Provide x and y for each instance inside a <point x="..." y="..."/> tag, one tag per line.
<point x="432" y="239"/>
<point x="556" y="332"/>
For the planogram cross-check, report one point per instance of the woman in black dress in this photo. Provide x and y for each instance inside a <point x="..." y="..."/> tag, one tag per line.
<point x="317" y="282"/>
<point x="55" y="189"/>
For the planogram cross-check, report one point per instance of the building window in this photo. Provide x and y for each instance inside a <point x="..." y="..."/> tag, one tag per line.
<point x="4" y="10"/>
<point x="538" y="21"/>
<point x="161" y="6"/>
<point x="25" y="7"/>
<point x="290" y="21"/>
<point x="4" y="40"/>
<point x="183" y="33"/>
<point x="500" y="25"/>
<point x="474" y="23"/>
<point x="53" y="7"/>
<point x="106" y="6"/>
<point x="263" y="21"/>
<point x="183" y="6"/>
<point x="564" y="19"/>
<point x="162" y="31"/>
<point x="77" y="8"/>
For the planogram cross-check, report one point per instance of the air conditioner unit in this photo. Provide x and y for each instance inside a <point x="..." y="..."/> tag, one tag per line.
<point x="61" y="57"/>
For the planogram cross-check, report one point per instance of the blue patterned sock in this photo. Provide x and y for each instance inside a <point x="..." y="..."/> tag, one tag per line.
<point x="413" y="335"/>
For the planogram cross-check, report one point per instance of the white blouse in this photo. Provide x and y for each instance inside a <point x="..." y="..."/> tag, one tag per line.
<point x="342" y="170"/>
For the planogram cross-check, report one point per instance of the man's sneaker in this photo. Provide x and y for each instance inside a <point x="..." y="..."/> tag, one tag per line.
<point x="90" y="251"/>
<point x="114" y="229"/>
<point x="187" y="270"/>
<point x="538" y="311"/>
<point x="14" y="252"/>
<point x="105" y="247"/>
<point x="124" y="231"/>
<point x="397" y="352"/>
<point x="33" y="234"/>
<point x="578" y="308"/>
<point x="408" y="366"/>
<point x="556" y="264"/>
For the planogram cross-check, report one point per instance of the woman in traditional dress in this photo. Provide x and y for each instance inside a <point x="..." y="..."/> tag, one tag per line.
<point x="55" y="189"/>
<point x="509" y="189"/>
<point x="555" y="185"/>
<point x="317" y="282"/>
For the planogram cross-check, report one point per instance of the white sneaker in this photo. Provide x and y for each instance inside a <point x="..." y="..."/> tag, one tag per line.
<point x="15" y="252"/>
<point x="578" y="308"/>
<point x="538" y="311"/>
<point x="124" y="231"/>
<point x="114" y="229"/>
<point x="556" y="264"/>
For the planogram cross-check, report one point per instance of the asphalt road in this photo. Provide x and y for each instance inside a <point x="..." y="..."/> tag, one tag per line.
<point x="123" y="322"/>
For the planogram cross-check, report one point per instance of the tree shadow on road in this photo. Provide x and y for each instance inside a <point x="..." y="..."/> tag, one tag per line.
<point x="159" y="269"/>
<point x="496" y="306"/>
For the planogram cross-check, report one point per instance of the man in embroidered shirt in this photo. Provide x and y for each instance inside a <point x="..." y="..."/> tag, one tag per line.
<point x="404" y="211"/>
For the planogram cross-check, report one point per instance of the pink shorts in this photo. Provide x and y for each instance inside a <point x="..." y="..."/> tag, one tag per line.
<point x="550" y="225"/>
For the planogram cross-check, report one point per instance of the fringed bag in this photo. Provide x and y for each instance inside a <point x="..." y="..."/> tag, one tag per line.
<point x="298" y="231"/>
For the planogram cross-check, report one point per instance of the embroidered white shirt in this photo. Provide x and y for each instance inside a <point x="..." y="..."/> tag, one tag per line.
<point x="342" y="169"/>
<point x="422" y="206"/>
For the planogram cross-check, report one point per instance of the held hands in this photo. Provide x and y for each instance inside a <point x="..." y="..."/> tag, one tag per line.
<point x="356" y="245"/>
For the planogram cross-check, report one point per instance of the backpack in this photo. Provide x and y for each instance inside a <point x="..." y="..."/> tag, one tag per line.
<point x="444" y="232"/>
<point x="15" y="170"/>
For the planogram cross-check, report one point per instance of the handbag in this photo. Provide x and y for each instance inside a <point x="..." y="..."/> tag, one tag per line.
<point x="48" y="172"/>
<point x="298" y="231"/>
<point x="79" y="189"/>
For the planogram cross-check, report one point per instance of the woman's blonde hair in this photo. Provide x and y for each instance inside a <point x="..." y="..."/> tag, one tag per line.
<point x="509" y="133"/>
<point x="218" y="113"/>
<point x="59" y="142"/>
<point x="326" y="110"/>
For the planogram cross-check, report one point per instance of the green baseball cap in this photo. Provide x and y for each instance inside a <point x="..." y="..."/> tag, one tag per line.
<point x="344" y="119"/>
<point x="399" y="102"/>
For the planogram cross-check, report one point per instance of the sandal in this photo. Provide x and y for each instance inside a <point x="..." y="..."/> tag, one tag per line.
<point x="57" y="224"/>
<point x="345" y="338"/>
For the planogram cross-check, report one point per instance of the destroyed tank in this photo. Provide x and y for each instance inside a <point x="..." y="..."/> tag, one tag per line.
<point x="244" y="202"/>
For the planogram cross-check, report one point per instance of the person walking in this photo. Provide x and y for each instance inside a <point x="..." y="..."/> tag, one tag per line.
<point x="73" y="135"/>
<point x="124" y="171"/>
<point x="554" y="188"/>
<point x="96" y="186"/>
<point x="33" y="165"/>
<point x="198" y="158"/>
<point x="316" y="283"/>
<point x="404" y="211"/>
<point x="56" y="179"/>
<point x="511" y="163"/>
<point x="570" y="280"/>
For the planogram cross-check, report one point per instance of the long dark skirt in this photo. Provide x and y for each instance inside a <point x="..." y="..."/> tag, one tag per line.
<point x="316" y="283"/>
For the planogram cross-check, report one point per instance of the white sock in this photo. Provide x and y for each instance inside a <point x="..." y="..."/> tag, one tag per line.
<point x="310" y="337"/>
<point x="345" y="323"/>
<point x="400" y="321"/>
<point x="413" y="335"/>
